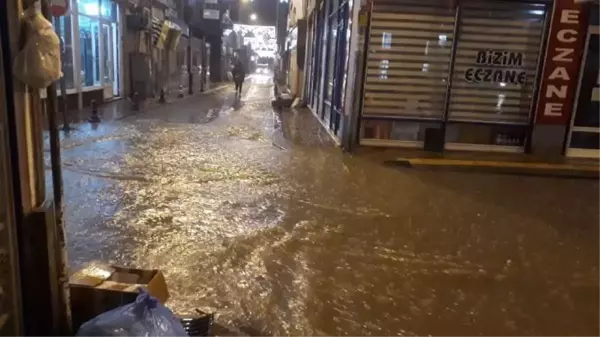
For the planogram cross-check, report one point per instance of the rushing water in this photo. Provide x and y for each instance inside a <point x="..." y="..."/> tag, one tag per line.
<point x="268" y="224"/>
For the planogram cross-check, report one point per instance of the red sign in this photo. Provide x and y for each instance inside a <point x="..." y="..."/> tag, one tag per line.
<point x="59" y="7"/>
<point x="566" y="38"/>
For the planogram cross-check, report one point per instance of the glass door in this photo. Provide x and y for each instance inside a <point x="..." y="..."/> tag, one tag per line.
<point x="339" y="68"/>
<point x="115" y="57"/>
<point x="318" y="34"/>
<point x="107" y="58"/>
<point x="584" y="135"/>
<point x="320" y="78"/>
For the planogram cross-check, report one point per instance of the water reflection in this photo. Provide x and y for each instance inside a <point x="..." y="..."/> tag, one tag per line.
<point x="307" y="241"/>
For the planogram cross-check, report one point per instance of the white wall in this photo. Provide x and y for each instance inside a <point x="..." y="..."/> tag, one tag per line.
<point x="300" y="11"/>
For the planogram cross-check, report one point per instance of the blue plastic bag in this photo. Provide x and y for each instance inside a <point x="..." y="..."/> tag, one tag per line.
<point x="144" y="317"/>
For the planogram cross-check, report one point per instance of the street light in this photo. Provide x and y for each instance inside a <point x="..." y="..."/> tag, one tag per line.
<point x="253" y="17"/>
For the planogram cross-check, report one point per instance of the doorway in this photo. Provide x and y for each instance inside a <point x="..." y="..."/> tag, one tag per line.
<point x="109" y="57"/>
<point x="584" y="135"/>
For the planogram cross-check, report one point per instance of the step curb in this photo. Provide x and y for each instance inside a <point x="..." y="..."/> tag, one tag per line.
<point x="502" y="167"/>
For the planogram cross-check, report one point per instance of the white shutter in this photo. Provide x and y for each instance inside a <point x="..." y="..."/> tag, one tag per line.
<point x="408" y="61"/>
<point x="506" y="29"/>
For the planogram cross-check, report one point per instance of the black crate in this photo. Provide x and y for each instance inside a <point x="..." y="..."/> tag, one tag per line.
<point x="200" y="325"/>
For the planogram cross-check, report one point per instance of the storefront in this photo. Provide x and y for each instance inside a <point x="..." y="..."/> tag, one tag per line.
<point x="452" y="74"/>
<point x="291" y="48"/>
<point x="583" y="139"/>
<point x="313" y="69"/>
<point x="327" y="62"/>
<point x="92" y="62"/>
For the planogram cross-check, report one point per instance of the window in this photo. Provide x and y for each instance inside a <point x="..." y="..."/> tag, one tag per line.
<point x="63" y="28"/>
<point x="407" y="67"/>
<point x="89" y="33"/>
<point x="108" y="9"/>
<point x="89" y="7"/>
<point x="496" y="62"/>
<point x="331" y="58"/>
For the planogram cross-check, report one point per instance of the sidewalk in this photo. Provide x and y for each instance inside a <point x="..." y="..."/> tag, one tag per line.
<point x="110" y="113"/>
<point x="299" y="126"/>
<point x="123" y="107"/>
<point x="503" y="163"/>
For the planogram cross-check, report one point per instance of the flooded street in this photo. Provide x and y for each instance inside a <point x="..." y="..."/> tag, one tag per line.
<point x="260" y="218"/>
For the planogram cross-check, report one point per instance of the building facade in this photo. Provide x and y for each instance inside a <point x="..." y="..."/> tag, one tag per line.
<point x="295" y="46"/>
<point x="583" y="139"/>
<point x="91" y="33"/>
<point x="327" y="61"/>
<point x="113" y="49"/>
<point x="451" y="75"/>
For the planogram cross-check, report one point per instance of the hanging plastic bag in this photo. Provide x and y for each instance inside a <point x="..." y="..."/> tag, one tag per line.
<point x="144" y="317"/>
<point x="38" y="63"/>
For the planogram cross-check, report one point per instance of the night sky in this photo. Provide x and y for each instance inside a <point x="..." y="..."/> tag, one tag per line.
<point x="266" y="11"/>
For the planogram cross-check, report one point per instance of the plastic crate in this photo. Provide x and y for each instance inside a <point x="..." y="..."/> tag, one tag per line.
<point x="200" y="325"/>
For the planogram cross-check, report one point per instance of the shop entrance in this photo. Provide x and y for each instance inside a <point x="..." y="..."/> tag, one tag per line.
<point x="327" y="63"/>
<point x="109" y="59"/>
<point x="461" y="75"/>
<point x="584" y="133"/>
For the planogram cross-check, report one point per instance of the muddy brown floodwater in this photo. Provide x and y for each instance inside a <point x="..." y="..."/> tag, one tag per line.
<point x="261" y="219"/>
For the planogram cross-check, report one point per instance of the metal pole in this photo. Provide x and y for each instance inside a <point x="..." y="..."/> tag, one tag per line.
<point x="203" y="71"/>
<point x="63" y="84"/>
<point x="451" y="63"/>
<point x="189" y="50"/>
<point x="60" y="253"/>
<point x="151" y="51"/>
<point x="189" y="63"/>
<point x="204" y="54"/>
<point x="166" y="69"/>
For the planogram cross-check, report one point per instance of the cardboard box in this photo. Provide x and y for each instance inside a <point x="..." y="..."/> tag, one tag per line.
<point x="100" y="287"/>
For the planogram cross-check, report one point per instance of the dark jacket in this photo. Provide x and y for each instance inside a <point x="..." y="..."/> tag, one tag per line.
<point x="238" y="71"/>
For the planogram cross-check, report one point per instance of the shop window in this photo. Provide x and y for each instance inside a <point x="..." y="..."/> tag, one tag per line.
<point x="108" y="9"/>
<point x="589" y="93"/>
<point x="585" y="140"/>
<point x="89" y="33"/>
<point x="331" y="59"/>
<point x="64" y="28"/>
<point x="181" y="58"/>
<point x="88" y="7"/>
<point x="410" y="50"/>
<point x="496" y="62"/>
<point x="396" y="130"/>
<point x="482" y="134"/>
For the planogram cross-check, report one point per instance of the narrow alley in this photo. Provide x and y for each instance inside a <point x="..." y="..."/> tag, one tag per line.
<point x="259" y="217"/>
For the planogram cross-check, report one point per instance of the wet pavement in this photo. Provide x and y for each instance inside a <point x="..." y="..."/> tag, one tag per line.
<point x="257" y="215"/>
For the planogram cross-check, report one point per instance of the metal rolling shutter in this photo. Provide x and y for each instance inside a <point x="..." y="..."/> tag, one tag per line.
<point x="512" y="33"/>
<point x="409" y="53"/>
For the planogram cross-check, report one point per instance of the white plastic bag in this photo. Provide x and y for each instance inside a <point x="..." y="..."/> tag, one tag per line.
<point x="38" y="63"/>
<point x="144" y="317"/>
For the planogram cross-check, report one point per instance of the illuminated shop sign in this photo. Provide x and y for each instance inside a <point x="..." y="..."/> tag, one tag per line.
<point x="497" y="66"/>
<point x="211" y="14"/>
<point x="561" y="67"/>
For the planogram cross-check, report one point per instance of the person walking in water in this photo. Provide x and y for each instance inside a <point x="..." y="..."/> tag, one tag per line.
<point x="239" y="74"/>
